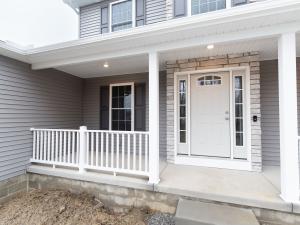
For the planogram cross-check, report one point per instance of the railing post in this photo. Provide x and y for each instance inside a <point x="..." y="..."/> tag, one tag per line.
<point x="82" y="148"/>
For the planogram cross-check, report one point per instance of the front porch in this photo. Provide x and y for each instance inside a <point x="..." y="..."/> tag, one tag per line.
<point x="247" y="134"/>
<point x="247" y="189"/>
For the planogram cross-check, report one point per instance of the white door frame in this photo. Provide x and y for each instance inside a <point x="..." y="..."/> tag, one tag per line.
<point x="230" y="163"/>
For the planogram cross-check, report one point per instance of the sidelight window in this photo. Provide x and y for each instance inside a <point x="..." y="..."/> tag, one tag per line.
<point x="239" y="110"/>
<point x="182" y="111"/>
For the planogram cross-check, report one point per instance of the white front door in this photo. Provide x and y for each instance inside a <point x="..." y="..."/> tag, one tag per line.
<point x="210" y="114"/>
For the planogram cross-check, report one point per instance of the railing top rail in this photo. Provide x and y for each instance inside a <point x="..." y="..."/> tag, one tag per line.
<point x="43" y="129"/>
<point x="92" y="131"/>
<point x="117" y="131"/>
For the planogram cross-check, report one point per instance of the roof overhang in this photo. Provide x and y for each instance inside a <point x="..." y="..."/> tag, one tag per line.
<point x="260" y="20"/>
<point x="76" y="4"/>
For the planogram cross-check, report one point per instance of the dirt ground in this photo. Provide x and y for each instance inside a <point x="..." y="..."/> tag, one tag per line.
<point x="63" y="208"/>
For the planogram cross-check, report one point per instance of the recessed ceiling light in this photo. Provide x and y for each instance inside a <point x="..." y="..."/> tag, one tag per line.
<point x="105" y="65"/>
<point x="210" y="47"/>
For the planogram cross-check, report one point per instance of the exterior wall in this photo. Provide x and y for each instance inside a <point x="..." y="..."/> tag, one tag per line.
<point x="48" y="99"/>
<point x="89" y="20"/>
<point x="155" y="11"/>
<point x="10" y="187"/>
<point x="91" y="101"/>
<point x="90" y="16"/>
<point x="270" y="111"/>
<point x="244" y="59"/>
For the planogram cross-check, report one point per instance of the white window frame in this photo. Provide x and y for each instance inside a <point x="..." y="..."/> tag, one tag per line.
<point x="133" y="18"/>
<point x="228" y="5"/>
<point x="132" y="102"/>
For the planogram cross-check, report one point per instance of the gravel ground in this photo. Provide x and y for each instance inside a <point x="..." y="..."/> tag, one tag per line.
<point x="64" y="208"/>
<point x="161" y="219"/>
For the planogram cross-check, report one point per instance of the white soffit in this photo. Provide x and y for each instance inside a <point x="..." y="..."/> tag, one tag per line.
<point x="139" y="64"/>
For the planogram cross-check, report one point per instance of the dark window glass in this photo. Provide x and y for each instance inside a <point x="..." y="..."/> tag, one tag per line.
<point x="121" y="108"/>
<point x="182" y="124"/>
<point x="182" y="137"/>
<point x="239" y="110"/>
<point x="239" y="125"/>
<point x="239" y="139"/>
<point x="238" y="82"/>
<point x="238" y="96"/>
<point x="182" y="111"/>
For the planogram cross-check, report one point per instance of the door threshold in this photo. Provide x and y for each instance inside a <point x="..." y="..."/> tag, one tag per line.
<point x="214" y="162"/>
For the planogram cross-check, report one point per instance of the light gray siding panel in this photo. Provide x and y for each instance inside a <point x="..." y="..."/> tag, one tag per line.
<point x="90" y="20"/>
<point x="46" y="98"/>
<point x="91" y="101"/>
<point x="155" y="11"/>
<point x="270" y="111"/>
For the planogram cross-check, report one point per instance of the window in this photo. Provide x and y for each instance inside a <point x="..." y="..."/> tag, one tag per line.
<point x="239" y="114"/>
<point x="182" y="111"/>
<point x="122" y="107"/>
<point x="209" y="80"/>
<point x="203" y="6"/>
<point x="121" y="15"/>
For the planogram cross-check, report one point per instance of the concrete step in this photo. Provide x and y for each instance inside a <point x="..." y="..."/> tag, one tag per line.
<point x="200" y="213"/>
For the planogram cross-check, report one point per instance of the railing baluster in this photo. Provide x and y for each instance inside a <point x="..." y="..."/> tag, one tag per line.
<point x="34" y="145"/>
<point x="146" y="153"/>
<point x="48" y="146"/>
<point x="106" y="149"/>
<point x="61" y="145"/>
<point x="73" y="147"/>
<point x="45" y="145"/>
<point x="65" y="147"/>
<point x="134" y="152"/>
<point x="140" y="152"/>
<point x="92" y="148"/>
<point x="112" y="151"/>
<point x="97" y="149"/>
<point x="123" y="150"/>
<point x="56" y="146"/>
<point x="69" y="146"/>
<point x="77" y="147"/>
<point x="52" y="146"/>
<point x="128" y="152"/>
<point x="118" y="148"/>
<point x="38" y="145"/>
<point x="102" y="140"/>
<point x="87" y="148"/>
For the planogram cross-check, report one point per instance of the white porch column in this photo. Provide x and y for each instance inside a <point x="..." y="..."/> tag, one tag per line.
<point x="288" y="117"/>
<point x="154" y="117"/>
<point x="228" y="4"/>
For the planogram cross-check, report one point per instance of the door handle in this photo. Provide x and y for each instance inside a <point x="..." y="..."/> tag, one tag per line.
<point x="226" y="118"/>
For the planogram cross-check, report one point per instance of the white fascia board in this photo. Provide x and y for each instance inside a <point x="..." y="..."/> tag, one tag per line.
<point x="13" y="52"/>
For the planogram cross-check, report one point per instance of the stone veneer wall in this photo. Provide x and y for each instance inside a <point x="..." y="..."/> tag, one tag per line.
<point x="233" y="60"/>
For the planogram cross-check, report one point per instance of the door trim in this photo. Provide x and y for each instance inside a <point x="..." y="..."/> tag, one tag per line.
<point x="230" y="163"/>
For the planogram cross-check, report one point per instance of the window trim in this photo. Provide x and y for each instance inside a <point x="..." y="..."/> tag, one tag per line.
<point x="133" y="18"/>
<point x="132" y="102"/>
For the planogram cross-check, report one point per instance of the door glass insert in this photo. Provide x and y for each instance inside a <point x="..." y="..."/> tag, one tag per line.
<point x="209" y="80"/>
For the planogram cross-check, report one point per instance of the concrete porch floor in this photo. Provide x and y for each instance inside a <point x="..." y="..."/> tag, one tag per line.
<point x="229" y="186"/>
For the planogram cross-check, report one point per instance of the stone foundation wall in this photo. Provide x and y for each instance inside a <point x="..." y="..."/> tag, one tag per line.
<point x="10" y="187"/>
<point x="250" y="59"/>
<point x="119" y="199"/>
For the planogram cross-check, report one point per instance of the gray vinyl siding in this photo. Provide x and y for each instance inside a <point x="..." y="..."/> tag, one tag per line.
<point x="90" y="16"/>
<point x="91" y="101"/>
<point x="270" y="111"/>
<point x="90" y="20"/>
<point x="155" y="11"/>
<point x="47" y="98"/>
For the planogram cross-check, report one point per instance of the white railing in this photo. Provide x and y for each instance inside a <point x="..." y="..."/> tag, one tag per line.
<point x="113" y="151"/>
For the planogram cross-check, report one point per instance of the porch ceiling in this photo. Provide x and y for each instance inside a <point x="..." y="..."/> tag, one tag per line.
<point x="139" y="63"/>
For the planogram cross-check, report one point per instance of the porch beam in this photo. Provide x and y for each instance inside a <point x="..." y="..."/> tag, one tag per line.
<point x="288" y="117"/>
<point x="153" y="118"/>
